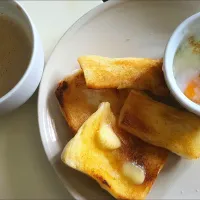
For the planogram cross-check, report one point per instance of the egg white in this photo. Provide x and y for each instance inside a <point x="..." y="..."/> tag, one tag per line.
<point x="186" y="65"/>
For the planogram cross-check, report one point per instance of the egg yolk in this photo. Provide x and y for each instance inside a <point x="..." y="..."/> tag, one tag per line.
<point x="192" y="90"/>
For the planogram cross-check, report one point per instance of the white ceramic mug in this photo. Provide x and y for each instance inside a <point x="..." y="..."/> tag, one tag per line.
<point x="28" y="83"/>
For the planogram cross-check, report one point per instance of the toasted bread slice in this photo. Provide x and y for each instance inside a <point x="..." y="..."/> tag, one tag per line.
<point x="161" y="125"/>
<point x="77" y="102"/>
<point x="123" y="165"/>
<point x="137" y="73"/>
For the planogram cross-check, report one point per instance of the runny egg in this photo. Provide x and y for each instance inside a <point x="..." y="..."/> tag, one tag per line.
<point x="192" y="90"/>
<point x="187" y="68"/>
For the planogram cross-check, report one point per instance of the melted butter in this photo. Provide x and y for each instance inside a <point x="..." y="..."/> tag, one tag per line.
<point x="107" y="138"/>
<point x="134" y="173"/>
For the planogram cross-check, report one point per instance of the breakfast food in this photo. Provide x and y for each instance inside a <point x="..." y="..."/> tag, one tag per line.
<point x="161" y="125"/>
<point x="192" y="90"/>
<point x="123" y="143"/>
<point x="122" y="164"/>
<point x="186" y="68"/>
<point x="137" y="73"/>
<point x="77" y="102"/>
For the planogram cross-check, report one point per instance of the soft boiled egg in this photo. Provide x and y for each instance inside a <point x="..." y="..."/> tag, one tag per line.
<point x="187" y="68"/>
<point x="192" y="90"/>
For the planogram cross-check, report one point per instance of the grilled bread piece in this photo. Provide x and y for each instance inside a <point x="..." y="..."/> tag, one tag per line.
<point x="123" y="165"/>
<point x="136" y="73"/>
<point x="77" y="102"/>
<point x="161" y="125"/>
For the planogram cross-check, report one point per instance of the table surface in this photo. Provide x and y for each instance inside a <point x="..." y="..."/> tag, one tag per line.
<point x="25" y="172"/>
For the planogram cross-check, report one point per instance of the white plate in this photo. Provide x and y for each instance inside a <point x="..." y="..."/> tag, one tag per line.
<point x="115" y="29"/>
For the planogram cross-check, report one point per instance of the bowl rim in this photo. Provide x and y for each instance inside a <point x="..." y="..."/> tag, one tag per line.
<point x="33" y="54"/>
<point x="168" y="67"/>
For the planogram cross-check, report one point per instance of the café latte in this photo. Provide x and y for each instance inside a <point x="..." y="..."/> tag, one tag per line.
<point x="15" y="53"/>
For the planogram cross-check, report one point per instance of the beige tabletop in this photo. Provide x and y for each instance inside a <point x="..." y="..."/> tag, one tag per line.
<point x="25" y="172"/>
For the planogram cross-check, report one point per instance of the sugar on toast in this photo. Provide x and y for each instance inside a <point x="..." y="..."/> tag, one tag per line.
<point x="161" y="125"/>
<point x="77" y="102"/>
<point x="123" y="165"/>
<point x="136" y="73"/>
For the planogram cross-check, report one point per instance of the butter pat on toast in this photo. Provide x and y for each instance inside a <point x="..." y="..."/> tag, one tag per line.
<point x="161" y="125"/>
<point x="123" y="165"/>
<point x="137" y="73"/>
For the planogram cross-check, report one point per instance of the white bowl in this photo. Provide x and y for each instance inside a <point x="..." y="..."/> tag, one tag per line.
<point x="28" y="83"/>
<point x="189" y="27"/>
